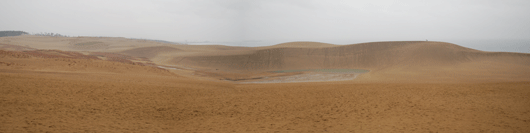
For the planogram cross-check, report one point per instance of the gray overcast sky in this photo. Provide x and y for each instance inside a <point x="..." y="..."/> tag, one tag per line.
<point x="292" y="20"/>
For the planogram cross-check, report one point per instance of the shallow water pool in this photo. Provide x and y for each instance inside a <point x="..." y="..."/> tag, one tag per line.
<point x="325" y="70"/>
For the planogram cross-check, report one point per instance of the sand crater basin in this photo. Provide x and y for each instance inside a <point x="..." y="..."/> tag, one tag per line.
<point x="411" y="87"/>
<point x="312" y="75"/>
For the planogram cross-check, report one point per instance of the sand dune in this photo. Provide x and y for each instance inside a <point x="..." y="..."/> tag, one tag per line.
<point x="439" y="61"/>
<point x="60" y="61"/>
<point x="444" y="61"/>
<point x="150" y="52"/>
<point x="368" y="55"/>
<point x="95" y="44"/>
<point x="301" y="45"/>
<point x="380" y="57"/>
<point x="412" y="86"/>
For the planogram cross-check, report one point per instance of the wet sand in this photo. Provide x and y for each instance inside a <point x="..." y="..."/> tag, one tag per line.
<point x="308" y="77"/>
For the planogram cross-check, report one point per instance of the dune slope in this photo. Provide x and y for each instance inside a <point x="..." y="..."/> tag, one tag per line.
<point x="437" y="59"/>
<point x="375" y="56"/>
<point x="150" y="52"/>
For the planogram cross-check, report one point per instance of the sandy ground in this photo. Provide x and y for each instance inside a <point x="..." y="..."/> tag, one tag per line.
<point x="412" y="87"/>
<point x="73" y="102"/>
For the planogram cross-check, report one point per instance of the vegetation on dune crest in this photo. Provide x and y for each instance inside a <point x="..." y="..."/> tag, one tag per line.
<point x="11" y="33"/>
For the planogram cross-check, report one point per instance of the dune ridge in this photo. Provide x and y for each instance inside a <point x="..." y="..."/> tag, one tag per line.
<point x="376" y="55"/>
<point x="301" y="44"/>
<point x="419" y="61"/>
<point x="60" y="61"/>
<point x="150" y="52"/>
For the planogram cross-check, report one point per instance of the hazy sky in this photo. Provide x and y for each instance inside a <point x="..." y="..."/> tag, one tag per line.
<point x="291" y="20"/>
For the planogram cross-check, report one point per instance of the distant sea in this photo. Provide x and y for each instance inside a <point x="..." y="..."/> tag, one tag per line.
<point x="515" y="45"/>
<point x="520" y="45"/>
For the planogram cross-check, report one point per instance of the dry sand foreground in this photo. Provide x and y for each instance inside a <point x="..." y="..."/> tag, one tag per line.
<point x="117" y="86"/>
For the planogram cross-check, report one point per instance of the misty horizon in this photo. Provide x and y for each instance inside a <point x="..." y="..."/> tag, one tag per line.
<point x="467" y="23"/>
